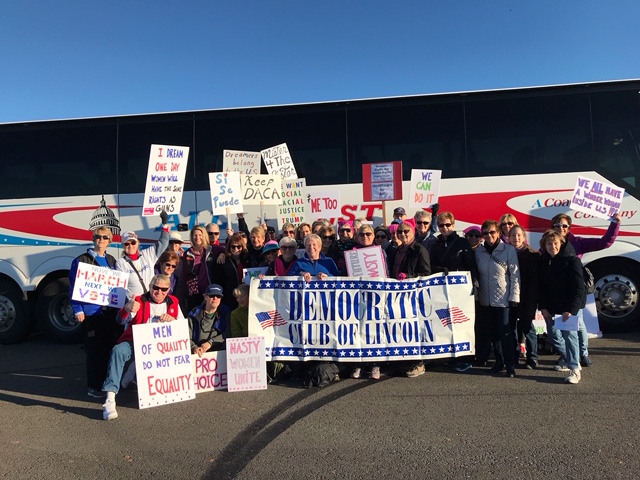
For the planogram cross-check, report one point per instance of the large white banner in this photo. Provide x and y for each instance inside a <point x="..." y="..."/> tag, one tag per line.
<point x="354" y="319"/>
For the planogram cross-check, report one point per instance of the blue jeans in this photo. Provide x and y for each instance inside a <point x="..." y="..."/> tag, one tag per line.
<point x="583" y="335"/>
<point x="555" y="337"/>
<point x="571" y="348"/>
<point x="120" y="355"/>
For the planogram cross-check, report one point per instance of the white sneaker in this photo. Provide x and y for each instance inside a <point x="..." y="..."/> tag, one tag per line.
<point x="355" y="373"/>
<point x="109" y="410"/>
<point x="561" y="367"/>
<point x="574" y="377"/>
<point x="375" y="373"/>
<point x="129" y="375"/>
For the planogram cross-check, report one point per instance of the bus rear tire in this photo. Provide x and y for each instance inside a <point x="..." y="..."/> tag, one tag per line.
<point x="55" y="314"/>
<point x="14" y="321"/>
<point x="617" y="295"/>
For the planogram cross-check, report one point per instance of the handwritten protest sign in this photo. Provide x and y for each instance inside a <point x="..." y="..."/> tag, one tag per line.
<point x="246" y="364"/>
<point x="382" y="181"/>
<point x="325" y="204"/>
<point x="358" y="319"/>
<point x="424" y="188"/>
<point x="600" y="199"/>
<point x="100" y="286"/>
<point x="366" y="262"/>
<point x="293" y="208"/>
<point x="210" y="371"/>
<point x="261" y="189"/>
<point x="163" y="363"/>
<point x="239" y="161"/>
<point x="254" y="272"/>
<point x="226" y="194"/>
<point x="278" y="161"/>
<point x="165" y="179"/>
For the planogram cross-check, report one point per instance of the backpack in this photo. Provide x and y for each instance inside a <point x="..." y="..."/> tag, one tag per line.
<point x="321" y="374"/>
<point x="589" y="281"/>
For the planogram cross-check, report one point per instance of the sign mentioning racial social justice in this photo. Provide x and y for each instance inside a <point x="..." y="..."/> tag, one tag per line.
<point x="278" y="161"/>
<point x="261" y="189"/>
<point x="424" y="188"/>
<point x="253" y="272"/>
<point x="382" y="181"/>
<point x="226" y="194"/>
<point x="210" y="371"/>
<point x="246" y="364"/>
<point x="602" y="200"/>
<point x="164" y="371"/>
<point x="358" y="319"/>
<point x="366" y="262"/>
<point x="293" y="208"/>
<point x="100" y="286"/>
<point x="243" y="162"/>
<point x="324" y="204"/>
<point x="165" y="179"/>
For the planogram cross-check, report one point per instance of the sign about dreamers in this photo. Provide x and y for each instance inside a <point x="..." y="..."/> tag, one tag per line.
<point x="100" y="286"/>
<point x="360" y="319"/>
<point x="165" y="179"/>
<point x="243" y="162"/>
<point x="424" y="188"/>
<point x="293" y="208"/>
<point x="602" y="200"/>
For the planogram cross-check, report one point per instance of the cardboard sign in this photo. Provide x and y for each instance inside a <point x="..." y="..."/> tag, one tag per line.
<point x="165" y="179"/>
<point x="226" y="194"/>
<point x="261" y="189"/>
<point x="246" y="364"/>
<point x="424" y="188"/>
<point x="366" y="262"/>
<point x="210" y="371"/>
<point x="382" y="181"/>
<point x="278" y="161"/>
<point x="100" y="286"/>
<point x="600" y="199"/>
<point x="239" y="161"/>
<point x="164" y="370"/>
<point x="324" y="204"/>
<point x="254" y="272"/>
<point x="293" y="208"/>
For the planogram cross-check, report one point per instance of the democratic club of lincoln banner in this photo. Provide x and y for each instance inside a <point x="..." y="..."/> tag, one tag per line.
<point x="359" y="319"/>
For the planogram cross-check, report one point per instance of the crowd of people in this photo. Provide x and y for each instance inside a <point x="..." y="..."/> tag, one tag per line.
<point x="205" y="284"/>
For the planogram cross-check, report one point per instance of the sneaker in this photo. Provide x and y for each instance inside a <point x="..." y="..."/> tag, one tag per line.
<point x="463" y="367"/>
<point x="95" y="393"/>
<point x="355" y="373"/>
<point x="511" y="373"/>
<point x="416" y="370"/>
<point x="336" y="378"/>
<point x="129" y="375"/>
<point x="109" y="410"/>
<point x="375" y="373"/>
<point x="585" y="361"/>
<point x="561" y="366"/>
<point x="531" y="364"/>
<point x="574" y="377"/>
<point x="523" y="350"/>
<point x="496" y="369"/>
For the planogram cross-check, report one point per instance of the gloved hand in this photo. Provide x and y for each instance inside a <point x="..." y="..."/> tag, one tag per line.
<point x="445" y="270"/>
<point x="434" y="209"/>
<point x="514" y="304"/>
<point x="402" y="276"/>
<point x="164" y="217"/>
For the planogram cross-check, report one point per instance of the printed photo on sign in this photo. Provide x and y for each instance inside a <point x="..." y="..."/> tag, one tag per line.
<point x="165" y="180"/>
<point x="424" y="188"/>
<point x="278" y="161"/>
<point x="210" y="371"/>
<point x="100" y="286"/>
<point x="242" y="162"/>
<point x="246" y="364"/>
<point x="600" y="199"/>
<point x="226" y="194"/>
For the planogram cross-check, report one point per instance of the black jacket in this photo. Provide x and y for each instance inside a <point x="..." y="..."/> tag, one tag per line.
<point x="529" y="262"/>
<point x="561" y="284"/>
<point x="453" y="253"/>
<point x="416" y="262"/>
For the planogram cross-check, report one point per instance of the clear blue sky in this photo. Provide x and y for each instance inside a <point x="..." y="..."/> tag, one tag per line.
<point x="70" y="59"/>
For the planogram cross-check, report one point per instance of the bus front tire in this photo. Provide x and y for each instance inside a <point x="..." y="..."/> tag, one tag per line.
<point x="55" y="314"/>
<point x="14" y="321"/>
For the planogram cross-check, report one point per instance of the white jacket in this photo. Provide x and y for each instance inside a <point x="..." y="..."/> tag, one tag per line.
<point x="499" y="284"/>
<point x="145" y="264"/>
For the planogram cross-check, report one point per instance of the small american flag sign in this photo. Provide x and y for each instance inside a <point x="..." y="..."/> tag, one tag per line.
<point x="270" y="319"/>
<point x="451" y="315"/>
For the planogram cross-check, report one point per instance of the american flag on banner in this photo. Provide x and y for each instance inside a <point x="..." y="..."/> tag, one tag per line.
<point x="270" y="319"/>
<point x="451" y="315"/>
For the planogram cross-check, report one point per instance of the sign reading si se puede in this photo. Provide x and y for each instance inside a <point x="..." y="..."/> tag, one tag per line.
<point x="100" y="286"/>
<point x="424" y="188"/>
<point x="165" y="179"/>
<point x="246" y="364"/>
<point x="293" y="208"/>
<point x="210" y="371"/>
<point x="261" y="189"/>
<point x="239" y="161"/>
<point x="278" y="161"/>
<point x="325" y="204"/>
<point x="602" y="200"/>
<point x="226" y="193"/>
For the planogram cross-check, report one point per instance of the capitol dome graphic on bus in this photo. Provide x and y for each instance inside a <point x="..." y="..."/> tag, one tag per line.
<point x="104" y="217"/>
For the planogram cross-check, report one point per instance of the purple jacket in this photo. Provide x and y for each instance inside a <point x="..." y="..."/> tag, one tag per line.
<point x="585" y="245"/>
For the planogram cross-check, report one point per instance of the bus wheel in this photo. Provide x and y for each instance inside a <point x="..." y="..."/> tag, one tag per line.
<point x="14" y="322"/>
<point x="616" y="295"/>
<point x="55" y="314"/>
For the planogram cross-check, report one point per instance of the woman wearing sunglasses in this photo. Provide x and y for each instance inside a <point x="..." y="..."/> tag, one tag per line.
<point x="328" y="237"/>
<point x="450" y="252"/>
<point x="507" y="222"/>
<point x="230" y="273"/>
<point x="287" y="258"/>
<point x="168" y="265"/>
<point x="473" y="236"/>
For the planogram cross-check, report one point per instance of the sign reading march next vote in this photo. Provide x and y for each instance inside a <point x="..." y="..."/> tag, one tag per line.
<point x="602" y="200"/>
<point x="359" y="319"/>
<point x="165" y="179"/>
<point x="100" y="286"/>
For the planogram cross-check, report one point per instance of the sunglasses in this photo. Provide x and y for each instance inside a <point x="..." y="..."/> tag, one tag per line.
<point x="329" y="237"/>
<point x="101" y="237"/>
<point x="130" y="243"/>
<point x="422" y="223"/>
<point x="508" y="224"/>
<point x="490" y="232"/>
<point x="403" y="232"/>
<point x="289" y="232"/>
<point x="345" y="230"/>
<point x="365" y="234"/>
<point x="214" y="233"/>
<point x="473" y="235"/>
<point x="162" y="289"/>
<point x="235" y="247"/>
<point x="560" y="225"/>
<point x="381" y="237"/>
<point x="442" y="225"/>
<point x="169" y="265"/>
<point x="290" y="247"/>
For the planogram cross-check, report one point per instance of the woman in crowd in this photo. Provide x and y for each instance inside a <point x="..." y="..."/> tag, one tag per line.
<point x="499" y="289"/>
<point x="270" y="252"/>
<point x="240" y="316"/>
<point x="283" y="264"/>
<point x="257" y="238"/>
<point x="288" y="230"/>
<point x="562" y="293"/>
<point x="525" y="312"/>
<point x="314" y="263"/>
<point x="195" y="269"/>
<point x="230" y="273"/>
<point x="302" y="231"/>
<point x="168" y="265"/>
<point x="473" y="234"/>
<point x="507" y="222"/>
<point x="328" y="237"/>
<point x="383" y="236"/>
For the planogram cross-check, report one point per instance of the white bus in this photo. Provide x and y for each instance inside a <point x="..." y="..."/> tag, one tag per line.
<point x="501" y="151"/>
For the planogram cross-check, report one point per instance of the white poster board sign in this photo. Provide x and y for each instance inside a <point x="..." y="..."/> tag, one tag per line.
<point x="226" y="194"/>
<point x="164" y="370"/>
<point x="252" y="272"/>
<point x="366" y="262"/>
<point x="246" y="364"/>
<point x="600" y="199"/>
<point x="165" y="179"/>
<point x="261" y="189"/>
<point x="239" y="161"/>
<point x="325" y="204"/>
<point x="424" y="188"/>
<point x="278" y="161"/>
<point x="210" y="371"/>
<point x="293" y="208"/>
<point x="100" y="286"/>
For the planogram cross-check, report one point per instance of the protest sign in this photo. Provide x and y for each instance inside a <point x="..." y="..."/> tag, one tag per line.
<point x="424" y="188"/>
<point x="366" y="262"/>
<point x="239" y="161"/>
<point x="600" y="199"/>
<point x="254" y="272"/>
<point x="382" y="181"/>
<point x="210" y="371"/>
<point x="100" y="285"/>
<point x="226" y="194"/>
<point x="351" y="319"/>
<point x="293" y="208"/>
<point x="165" y="179"/>
<point x="164" y="370"/>
<point x="246" y="364"/>
<point x="325" y="204"/>
<point x="278" y="161"/>
<point x="261" y="189"/>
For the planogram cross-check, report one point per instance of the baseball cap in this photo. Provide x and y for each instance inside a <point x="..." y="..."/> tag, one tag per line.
<point x="175" y="238"/>
<point x="129" y="236"/>
<point x="214" y="290"/>
<point x="399" y="211"/>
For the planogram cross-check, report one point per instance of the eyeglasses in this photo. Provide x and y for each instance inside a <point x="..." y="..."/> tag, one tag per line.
<point x="235" y="247"/>
<point x="508" y="224"/>
<point x="403" y="232"/>
<point x="101" y="237"/>
<point x="289" y="232"/>
<point x="442" y="225"/>
<point x="561" y="225"/>
<point x="490" y="232"/>
<point x="473" y="235"/>
<point x="365" y="234"/>
<point x="169" y="265"/>
<point x="130" y="243"/>
<point x="329" y="237"/>
<point x="381" y="237"/>
<point x="422" y="223"/>
<point x="214" y="233"/>
<point x="162" y="289"/>
<point x="345" y="230"/>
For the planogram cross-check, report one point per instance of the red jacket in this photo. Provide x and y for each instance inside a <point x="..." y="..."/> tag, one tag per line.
<point x="173" y="309"/>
